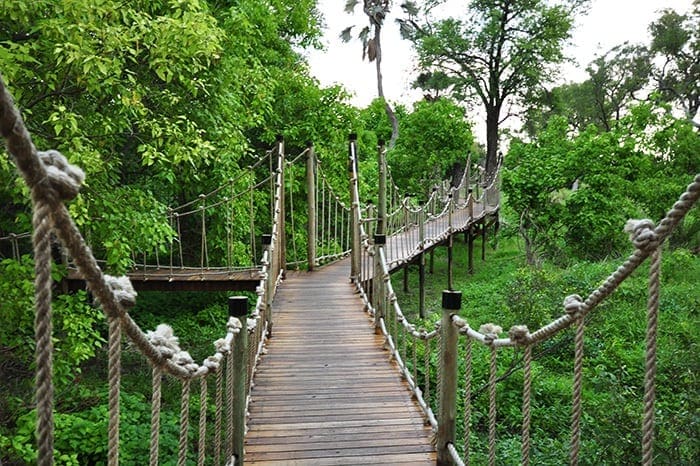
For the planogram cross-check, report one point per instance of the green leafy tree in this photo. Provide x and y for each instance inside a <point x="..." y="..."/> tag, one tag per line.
<point x="676" y="40"/>
<point x="435" y="144"/>
<point x="500" y="50"/>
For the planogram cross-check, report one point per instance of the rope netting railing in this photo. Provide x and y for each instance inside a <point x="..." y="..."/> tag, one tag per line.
<point x="52" y="182"/>
<point x="414" y="349"/>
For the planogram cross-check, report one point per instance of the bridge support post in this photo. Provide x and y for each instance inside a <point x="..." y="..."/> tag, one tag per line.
<point x="449" y="245"/>
<point x="381" y="201"/>
<point x="238" y="307"/>
<point x="355" y="255"/>
<point x="421" y="264"/>
<point x="311" y="202"/>
<point x="378" y="291"/>
<point x="282" y="232"/>
<point x="483" y="240"/>
<point x="470" y="250"/>
<point x="270" y="283"/>
<point x="451" y="303"/>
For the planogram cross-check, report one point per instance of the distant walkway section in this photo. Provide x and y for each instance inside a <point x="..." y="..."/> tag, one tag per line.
<point x="325" y="393"/>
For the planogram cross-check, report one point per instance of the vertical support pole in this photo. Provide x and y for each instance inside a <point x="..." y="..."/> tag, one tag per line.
<point x="354" y="198"/>
<point x="269" y="284"/>
<point x="282" y="231"/>
<point x="405" y="278"/>
<point x="483" y="240"/>
<point x="378" y="284"/>
<point x="381" y="207"/>
<point x="449" y="245"/>
<point x="432" y="261"/>
<point x="470" y="250"/>
<point x="451" y="303"/>
<point x="421" y="263"/>
<point x="238" y="307"/>
<point x="311" y="203"/>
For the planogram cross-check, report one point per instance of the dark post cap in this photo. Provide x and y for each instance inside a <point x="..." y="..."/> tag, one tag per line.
<point x="266" y="239"/>
<point x="380" y="239"/>
<point x="452" y="300"/>
<point x="353" y="136"/>
<point x="369" y="201"/>
<point x="279" y="138"/>
<point x="238" y="306"/>
<point x="380" y="142"/>
<point x="309" y="144"/>
<point x="470" y="190"/>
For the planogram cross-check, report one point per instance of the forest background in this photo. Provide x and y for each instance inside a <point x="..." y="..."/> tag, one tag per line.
<point x="162" y="100"/>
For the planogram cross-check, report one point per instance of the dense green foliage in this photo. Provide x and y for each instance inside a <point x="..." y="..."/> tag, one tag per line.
<point x="573" y="191"/>
<point x="505" y="291"/>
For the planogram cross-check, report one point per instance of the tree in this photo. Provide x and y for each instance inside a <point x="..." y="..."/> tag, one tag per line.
<point x="435" y="143"/>
<point x="376" y="11"/>
<point x="614" y="79"/>
<point x="676" y="40"/>
<point x="501" y="50"/>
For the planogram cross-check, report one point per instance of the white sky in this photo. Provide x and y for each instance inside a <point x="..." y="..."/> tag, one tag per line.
<point x="608" y="23"/>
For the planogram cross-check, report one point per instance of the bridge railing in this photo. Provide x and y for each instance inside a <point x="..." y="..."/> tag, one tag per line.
<point x="408" y="345"/>
<point x="230" y="367"/>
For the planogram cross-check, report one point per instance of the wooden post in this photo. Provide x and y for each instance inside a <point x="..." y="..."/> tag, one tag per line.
<point x="311" y="203"/>
<point x="432" y="261"/>
<point x="378" y="284"/>
<point x="470" y="251"/>
<point x="421" y="265"/>
<point x="381" y="207"/>
<point x="282" y="232"/>
<point x="451" y="303"/>
<point x="449" y="246"/>
<point x="483" y="240"/>
<point x="405" y="278"/>
<point x="238" y="307"/>
<point x="354" y="199"/>
<point x="271" y="281"/>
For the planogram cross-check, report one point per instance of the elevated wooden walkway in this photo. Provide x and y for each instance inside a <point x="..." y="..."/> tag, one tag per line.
<point x="325" y="393"/>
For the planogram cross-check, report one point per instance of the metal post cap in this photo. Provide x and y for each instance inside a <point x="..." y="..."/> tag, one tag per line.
<point x="266" y="239"/>
<point x="379" y="239"/>
<point x="238" y="306"/>
<point x="452" y="300"/>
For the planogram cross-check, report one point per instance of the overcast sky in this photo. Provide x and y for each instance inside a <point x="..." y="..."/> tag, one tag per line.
<point x="608" y="23"/>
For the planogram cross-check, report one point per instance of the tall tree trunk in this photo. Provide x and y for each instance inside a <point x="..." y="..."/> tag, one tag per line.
<point x="492" y="116"/>
<point x="380" y="88"/>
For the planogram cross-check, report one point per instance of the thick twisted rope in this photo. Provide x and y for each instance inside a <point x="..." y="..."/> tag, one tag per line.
<point x="467" y="395"/>
<point x="155" y="414"/>
<point x="114" y="377"/>
<point x="184" y="422"/>
<point x="43" y="332"/>
<point x="650" y="363"/>
<point x="202" y="439"/>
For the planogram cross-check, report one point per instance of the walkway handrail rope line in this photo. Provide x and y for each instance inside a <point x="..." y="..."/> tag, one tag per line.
<point x="53" y="181"/>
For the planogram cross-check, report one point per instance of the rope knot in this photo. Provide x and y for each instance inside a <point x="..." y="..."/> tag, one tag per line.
<point x="65" y="178"/>
<point x="183" y="359"/>
<point x="490" y="332"/>
<point x="641" y="233"/>
<point x="520" y="334"/>
<point x="234" y="325"/>
<point x="573" y="304"/>
<point x="122" y="290"/>
<point x="164" y="340"/>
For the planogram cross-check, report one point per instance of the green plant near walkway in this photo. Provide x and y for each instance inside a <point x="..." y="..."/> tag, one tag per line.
<point x="505" y="292"/>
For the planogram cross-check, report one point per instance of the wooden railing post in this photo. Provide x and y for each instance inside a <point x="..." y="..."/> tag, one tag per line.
<point x="355" y="200"/>
<point x="270" y="283"/>
<point x="421" y="263"/>
<point x="378" y="284"/>
<point x="238" y="307"/>
<point x="451" y="303"/>
<point x="311" y="203"/>
<point x="282" y="228"/>
<point x="381" y="207"/>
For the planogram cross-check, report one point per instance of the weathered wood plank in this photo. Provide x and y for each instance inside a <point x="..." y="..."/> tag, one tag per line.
<point x="327" y="392"/>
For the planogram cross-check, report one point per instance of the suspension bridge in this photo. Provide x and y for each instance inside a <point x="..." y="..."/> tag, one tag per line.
<point x="325" y="368"/>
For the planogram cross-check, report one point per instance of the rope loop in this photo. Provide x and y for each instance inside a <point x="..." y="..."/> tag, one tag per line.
<point x="520" y="334"/>
<point x="64" y="177"/>
<point x="122" y="290"/>
<point x="642" y="233"/>
<point x="573" y="304"/>
<point x="164" y="339"/>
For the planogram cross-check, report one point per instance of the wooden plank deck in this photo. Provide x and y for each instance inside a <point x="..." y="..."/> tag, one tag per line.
<point x="326" y="393"/>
